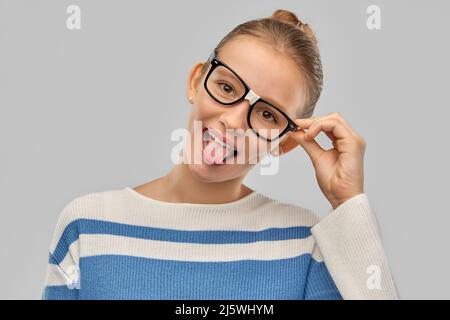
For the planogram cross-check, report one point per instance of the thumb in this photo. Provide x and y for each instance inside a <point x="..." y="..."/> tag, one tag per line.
<point x="311" y="147"/>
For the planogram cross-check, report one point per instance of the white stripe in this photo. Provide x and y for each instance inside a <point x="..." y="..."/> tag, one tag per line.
<point x="58" y="274"/>
<point x="317" y="255"/>
<point x="102" y="244"/>
<point x="54" y="276"/>
<point x="128" y="207"/>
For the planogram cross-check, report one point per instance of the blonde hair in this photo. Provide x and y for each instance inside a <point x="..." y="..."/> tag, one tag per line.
<point x="288" y="34"/>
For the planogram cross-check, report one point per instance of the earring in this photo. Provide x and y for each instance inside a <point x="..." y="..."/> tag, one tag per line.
<point x="190" y="99"/>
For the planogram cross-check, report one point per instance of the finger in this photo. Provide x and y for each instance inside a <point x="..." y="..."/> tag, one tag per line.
<point x="312" y="148"/>
<point x="329" y="134"/>
<point x="341" y="119"/>
<point x="328" y="125"/>
<point x="333" y="115"/>
<point x="305" y="122"/>
<point x="338" y="116"/>
<point x="332" y="138"/>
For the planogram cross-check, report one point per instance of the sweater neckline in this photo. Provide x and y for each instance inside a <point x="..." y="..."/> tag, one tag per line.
<point x="244" y="200"/>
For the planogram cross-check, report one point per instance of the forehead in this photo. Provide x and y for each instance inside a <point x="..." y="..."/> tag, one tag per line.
<point x="273" y="75"/>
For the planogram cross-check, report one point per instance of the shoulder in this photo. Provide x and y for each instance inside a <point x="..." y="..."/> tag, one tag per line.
<point x="88" y="206"/>
<point x="91" y="205"/>
<point x="294" y="213"/>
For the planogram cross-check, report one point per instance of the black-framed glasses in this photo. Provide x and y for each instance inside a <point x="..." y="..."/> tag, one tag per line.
<point x="226" y="87"/>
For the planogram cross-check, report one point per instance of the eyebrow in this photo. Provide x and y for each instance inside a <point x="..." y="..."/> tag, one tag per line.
<point x="276" y="104"/>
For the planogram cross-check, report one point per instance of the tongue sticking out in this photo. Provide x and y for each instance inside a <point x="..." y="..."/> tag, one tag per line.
<point x="215" y="153"/>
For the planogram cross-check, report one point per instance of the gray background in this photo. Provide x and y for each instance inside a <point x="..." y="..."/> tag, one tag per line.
<point x="92" y="110"/>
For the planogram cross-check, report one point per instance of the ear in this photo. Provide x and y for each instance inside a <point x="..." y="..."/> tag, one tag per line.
<point x="287" y="144"/>
<point x="194" y="80"/>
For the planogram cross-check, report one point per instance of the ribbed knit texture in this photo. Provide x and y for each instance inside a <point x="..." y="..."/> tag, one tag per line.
<point x="119" y="244"/>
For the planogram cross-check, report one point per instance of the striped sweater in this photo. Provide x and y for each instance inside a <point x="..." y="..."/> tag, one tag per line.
<point x="120" y="244"/>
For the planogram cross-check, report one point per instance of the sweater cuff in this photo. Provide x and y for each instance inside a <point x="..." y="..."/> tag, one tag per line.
<point x="351" y="246"/>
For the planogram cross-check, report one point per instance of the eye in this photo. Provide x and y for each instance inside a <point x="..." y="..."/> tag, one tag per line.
<point x="226" y="87"/>
<point x="267" y="115"/>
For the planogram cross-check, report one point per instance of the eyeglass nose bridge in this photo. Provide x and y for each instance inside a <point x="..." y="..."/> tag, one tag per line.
<point x="252" y="97"/>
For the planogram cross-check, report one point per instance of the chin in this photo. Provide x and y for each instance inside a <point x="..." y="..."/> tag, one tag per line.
<point x="217" y="173"/>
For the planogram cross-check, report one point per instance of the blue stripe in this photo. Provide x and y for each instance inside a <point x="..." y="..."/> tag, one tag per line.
<point x="59" y="293"/>
<point x="320" y="284"/>
<point x="126" y="277"/>
<point x="90" y="226"/>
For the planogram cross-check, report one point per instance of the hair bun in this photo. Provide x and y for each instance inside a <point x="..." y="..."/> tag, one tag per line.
<point x="290" y="17"/>
<point x="286" y="16"/>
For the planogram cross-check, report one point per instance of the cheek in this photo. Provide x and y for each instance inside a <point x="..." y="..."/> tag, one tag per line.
<point x="207" y="111"/>
<point x="255" y="149"/>
<point x="205" y="107"/>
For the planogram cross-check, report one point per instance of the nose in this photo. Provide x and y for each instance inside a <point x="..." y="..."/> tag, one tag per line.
<point x="235" y="116"/>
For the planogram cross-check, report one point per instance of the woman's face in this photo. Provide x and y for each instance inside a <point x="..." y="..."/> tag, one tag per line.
<point x="272" y="75"/>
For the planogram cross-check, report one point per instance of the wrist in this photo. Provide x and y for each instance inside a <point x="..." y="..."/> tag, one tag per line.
<point x="336" y="203"/>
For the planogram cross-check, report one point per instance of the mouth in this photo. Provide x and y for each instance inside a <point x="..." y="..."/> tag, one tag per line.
<point x="215" y="149"/>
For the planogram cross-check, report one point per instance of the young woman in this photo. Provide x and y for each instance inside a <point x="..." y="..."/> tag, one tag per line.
<point x="198" y="232"/>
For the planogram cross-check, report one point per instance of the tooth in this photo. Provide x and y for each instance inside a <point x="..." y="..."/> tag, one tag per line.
<point x="219" y="140"/>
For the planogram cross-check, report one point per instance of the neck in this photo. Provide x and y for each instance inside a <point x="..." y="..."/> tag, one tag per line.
<point x="180" y="185"/>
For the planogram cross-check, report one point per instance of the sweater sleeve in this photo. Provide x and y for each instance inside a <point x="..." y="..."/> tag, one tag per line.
<point x="62" y="280"/>
<point x="350" y="242"/>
